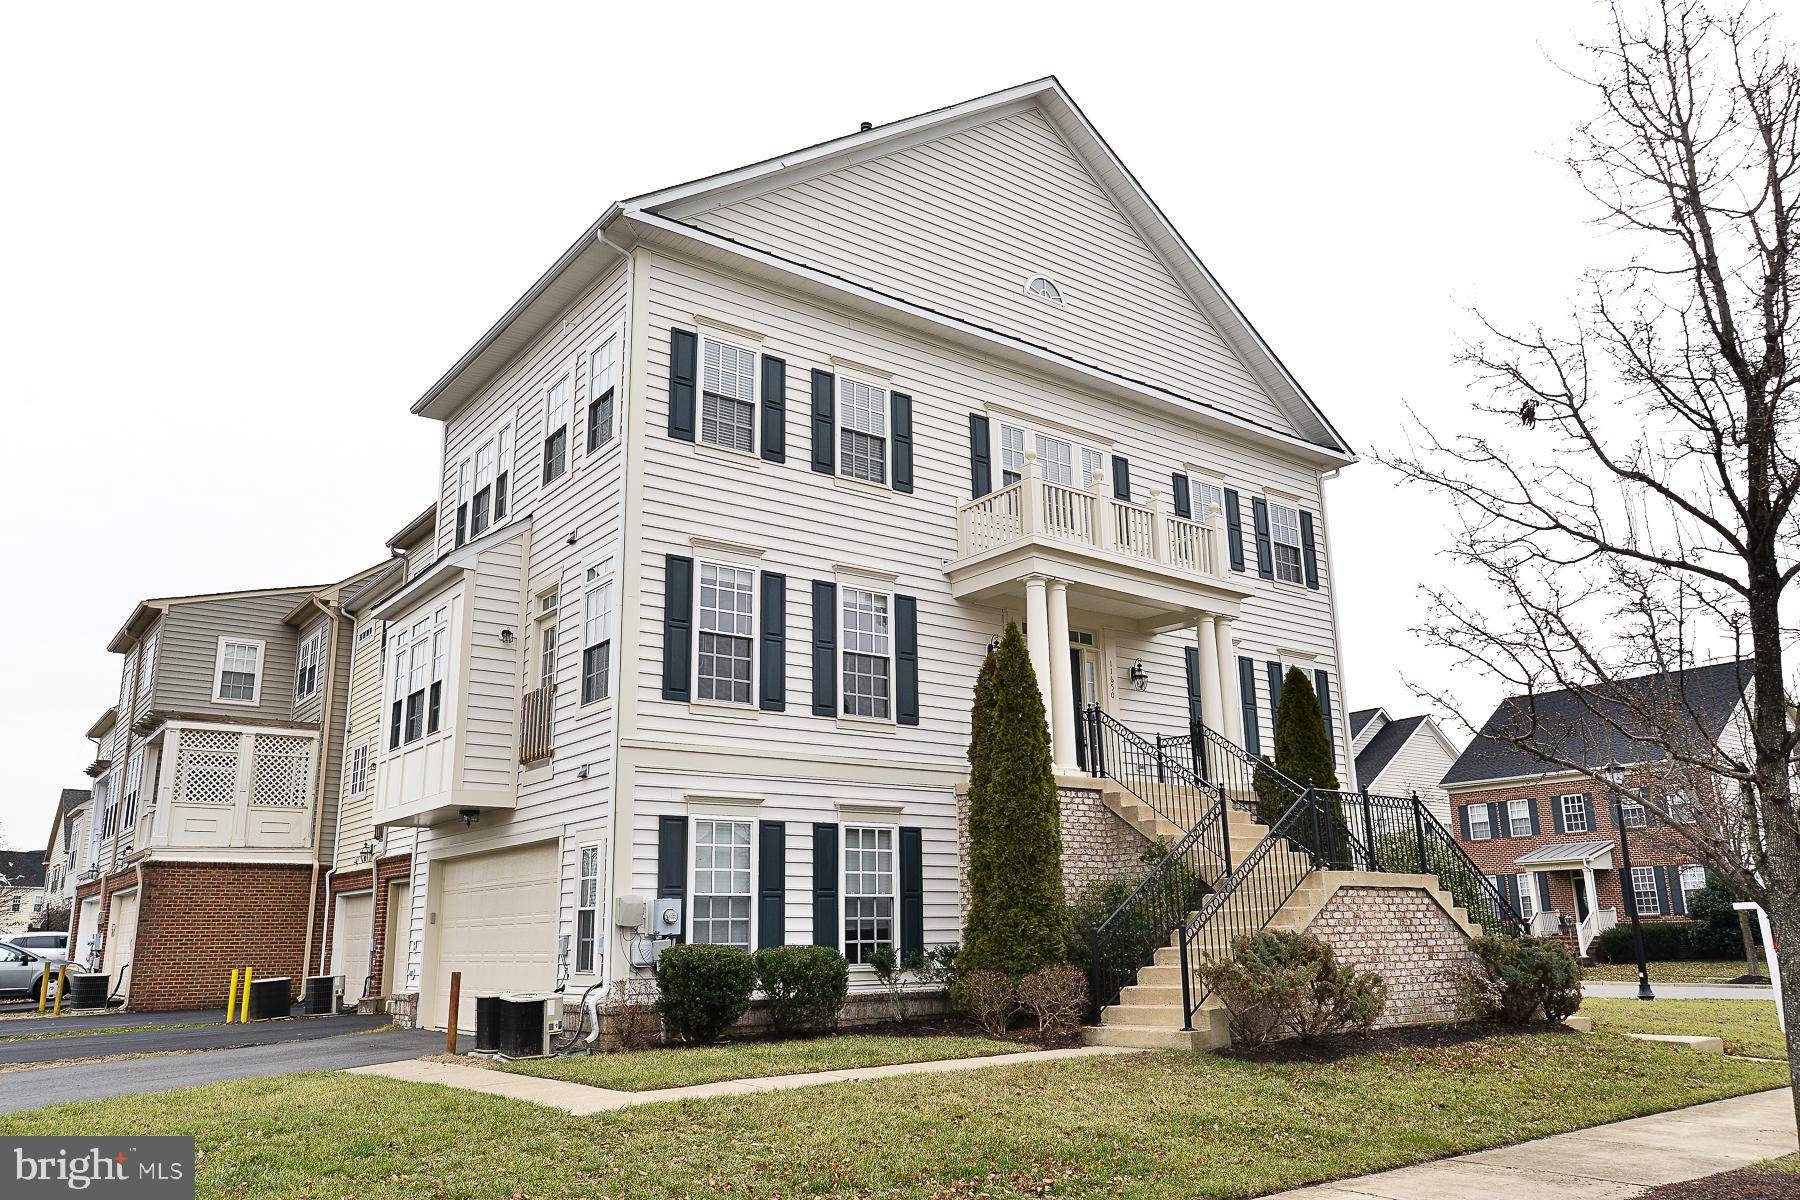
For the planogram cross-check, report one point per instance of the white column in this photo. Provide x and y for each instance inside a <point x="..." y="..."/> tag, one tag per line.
<point x="1062" y="683"/>
<point x="1232" y="726"/>
<point x="1037" y="634"/>
<point x="1212" y="698"/>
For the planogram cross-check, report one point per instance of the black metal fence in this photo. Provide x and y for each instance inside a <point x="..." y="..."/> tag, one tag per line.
<point x="1161" y="780"/>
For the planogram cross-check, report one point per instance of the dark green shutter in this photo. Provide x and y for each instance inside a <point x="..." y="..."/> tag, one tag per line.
<point x="774" y="408"/>
<point x="1265" y="553"/>
<point x="683" y="351"/>
<point x="1247" y="703"/>
<point x="824" y="400"/>
<point x="912" y="893"/>
<point x="900" y="407"/>
<point x="1556" y="814"/>
<point x="1309" y="554"/>
<point x="1322" y="685"/>
<point x="678" y="627"/>
<point x="1462" y="814"/>
<point x="906" y="660"/>
<point x="825" y="886"/>
<point x="1190" y="656"/>
<point x="1273" y="670"/>
<point x="1543" y="890"/>
<point x="1184" y="504"/>
<point x="772" y="671"/>
<point x="671" y="862"/>
<point x="1121" y="478"/>
<point x="1498" y="821"/>
<point x="1533" y="805"/>
<point x="1662" y="889"/>
<point x="1234" y="530"/>
<point x="1597" y="813"/>
<point x="824" y="648"/>
<point x="1677" y="897"/>
<point x="771" y="899"/>
<point x="981" y="470"/>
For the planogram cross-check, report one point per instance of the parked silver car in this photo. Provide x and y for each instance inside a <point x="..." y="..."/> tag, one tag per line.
<point x="54" y="946"/>
<point x="22" y="971"/>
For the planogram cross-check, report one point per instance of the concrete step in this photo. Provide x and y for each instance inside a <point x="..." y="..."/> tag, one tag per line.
<point x="1151" y="1037"/>
<point x="1153" y="993"/>
<point x="1162" y="1016"/>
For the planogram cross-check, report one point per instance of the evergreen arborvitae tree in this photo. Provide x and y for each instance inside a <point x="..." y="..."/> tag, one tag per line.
<point x="1304" y="754"/>
<point x="1016" y="909"/>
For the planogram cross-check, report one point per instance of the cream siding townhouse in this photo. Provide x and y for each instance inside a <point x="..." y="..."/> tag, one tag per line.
<point x="735" y="499"/>
<point x="63" y="853"/>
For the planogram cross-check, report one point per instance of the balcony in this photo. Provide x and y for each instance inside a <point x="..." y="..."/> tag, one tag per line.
<point x="1136" y="560"/>
<point x="230" y="787"/>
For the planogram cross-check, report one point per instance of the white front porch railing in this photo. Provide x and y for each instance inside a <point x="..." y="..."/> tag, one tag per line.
<point x="1035" y="507"/>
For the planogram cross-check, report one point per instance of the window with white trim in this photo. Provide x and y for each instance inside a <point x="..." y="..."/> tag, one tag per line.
<point x="134" y="778"/>
<point x="1528" y="897"/>
<point x="1058" y="458"/>
<point x="239" y="677"/>
<point x="1480" y="827"/>
<point x="727" y="395"/>
<point x="306" y="674"/>
<point x="1574" y="813"/>
<point x="865" y="636"/>
<point x="359" y="770"/>
<point x="1284" y="535"/>
<point x="603" y="384"/>
<point x="547" y="654"/>
<point x="869" y="891"/>
<point x="862" y="411"/>
<point x="1680" y="807"/>
<point x="484" y="485"/>
<point x="722" y="882"/>
<point x="1208" y="499"/>
<point x="587" y="907"/>
<point x="1518" y="818"/>
<point x="1632" y="813"/>
<point x="722" y="668"/>
<point x="465" y="473"/>
<point x="1042" y="287"/>
<point x="596" y="640"/>
<point x="1643" y="891"/>
<point x="420" y="655"/>
<point x="558" y="407"/>
<point x="1693" y="878"/>
<point x="1012" y="455"/>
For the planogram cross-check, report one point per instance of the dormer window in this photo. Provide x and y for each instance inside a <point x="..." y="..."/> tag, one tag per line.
<point x="1044" y="288"/>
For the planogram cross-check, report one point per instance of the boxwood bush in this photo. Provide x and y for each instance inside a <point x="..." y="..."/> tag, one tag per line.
<point x="805" y="985"/>
<point x="1664" y="941"/>
<point x="703" y="989"/>
<point x="1522" y="979"/>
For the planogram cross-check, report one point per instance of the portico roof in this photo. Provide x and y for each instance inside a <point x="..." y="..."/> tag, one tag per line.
<point x="1569" y="854"/>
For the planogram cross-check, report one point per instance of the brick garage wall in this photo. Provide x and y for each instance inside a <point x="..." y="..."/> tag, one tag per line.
<point x="197" y="921"/>
<point x="1097" y="843"/>
<point x="398" y="866"/>
<point x="1402" y="935"/>
<point x="106" y="888"/>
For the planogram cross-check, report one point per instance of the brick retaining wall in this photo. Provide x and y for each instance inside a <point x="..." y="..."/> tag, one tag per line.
<point x="1402" y="935"/>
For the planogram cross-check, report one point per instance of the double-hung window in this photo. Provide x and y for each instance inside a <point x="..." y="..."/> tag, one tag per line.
<point x="1632" y="813"/>
<point x="726" y="628"/>
<point x="596" y="640"/>
<point x="1693" y="878"/>
<point x="587" y="908"/>
<point x="603" y="385"/>
<point x="1643" y="891"/>
<point x="484" y="485"/>
<point x="359" y="770"/>
<point x="1480" y="827"/>
<point x="868" y="652"/>
<point x="239" y="676"/>
<point x="558" y="406"/>
<point x="1061" y="460"/>
<point x="482" y="515"/>
<point x="869" y="891"/>
<point x="1574" y="813"/>
<point x="862" y="430"/>
<point x="728" y="396"/>
<point x="306" y="677"/>
<point x="1284" y="535"/>
<point x="421" y="653"/>
<point x="1208" y="499"/>
<point x="1518" y="818"/>
<point x="1528" y="897"/>
<point x="1680" y="807"/>
<point x="722" y="882"/>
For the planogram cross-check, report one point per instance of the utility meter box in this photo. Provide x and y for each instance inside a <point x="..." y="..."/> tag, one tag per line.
<point x="629" y="913"/>
<point x="665" y="917"/>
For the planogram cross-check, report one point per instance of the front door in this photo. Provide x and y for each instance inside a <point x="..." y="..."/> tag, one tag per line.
<point x="1581" y="896"/>
<point x="1084" y="669"/>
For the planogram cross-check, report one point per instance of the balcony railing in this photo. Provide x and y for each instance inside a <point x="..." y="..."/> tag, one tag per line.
<point x="1039" y="508"/>
<point x="537" y="725"/>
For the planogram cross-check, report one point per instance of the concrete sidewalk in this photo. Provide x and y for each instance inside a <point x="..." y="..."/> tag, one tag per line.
<point x="581" y="1100"/>
<point x="1678" y="991"/>
<point x="1604" y="1163"/>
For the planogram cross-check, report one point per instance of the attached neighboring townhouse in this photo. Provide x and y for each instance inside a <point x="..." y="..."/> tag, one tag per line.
<point x="1401" y="756"/>
<point x="63" y="853"/>
<point x="1549" y="839"/>
<point x="738" y="495"/>
<point x="22" y="889"/>
<point x="216" y="792"/>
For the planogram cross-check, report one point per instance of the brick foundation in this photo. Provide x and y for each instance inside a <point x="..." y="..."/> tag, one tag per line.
<point x="1097" y="844"/>
<point x="1404" y="936"/>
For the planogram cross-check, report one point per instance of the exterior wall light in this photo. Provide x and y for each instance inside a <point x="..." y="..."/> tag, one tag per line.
<point x="1140" y="678"/>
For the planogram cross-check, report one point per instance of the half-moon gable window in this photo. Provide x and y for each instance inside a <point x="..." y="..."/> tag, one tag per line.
<point x="1044" y="288"/>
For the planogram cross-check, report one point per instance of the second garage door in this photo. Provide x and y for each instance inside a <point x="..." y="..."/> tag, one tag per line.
<point x="497" y="925"/>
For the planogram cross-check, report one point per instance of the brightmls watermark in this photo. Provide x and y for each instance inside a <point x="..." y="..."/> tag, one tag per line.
<point x="108" y="1168"/>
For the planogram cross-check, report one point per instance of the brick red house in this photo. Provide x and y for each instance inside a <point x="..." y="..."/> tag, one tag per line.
<point x="1549" y="837"/>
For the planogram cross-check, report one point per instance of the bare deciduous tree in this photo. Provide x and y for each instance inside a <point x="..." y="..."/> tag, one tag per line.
<point x="1629" y="489"/>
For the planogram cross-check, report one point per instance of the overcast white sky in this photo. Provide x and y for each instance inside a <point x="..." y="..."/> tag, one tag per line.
<point x="236" y="242"/>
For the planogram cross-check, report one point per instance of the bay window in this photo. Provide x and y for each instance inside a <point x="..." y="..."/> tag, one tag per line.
<point x="420" y="658"/>
<point x="727" y="396"/>
<point x="862" y="430"/>
<point x="484" y="484"/>
<point x="722" y="882"/>
<point x="869" y="891"/>
<point x="868" y="652"/>
<point x="726" y="629"/>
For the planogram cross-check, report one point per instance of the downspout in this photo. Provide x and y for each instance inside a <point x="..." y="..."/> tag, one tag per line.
<point x="627" y="433"/>
<point x="312" y="892"/>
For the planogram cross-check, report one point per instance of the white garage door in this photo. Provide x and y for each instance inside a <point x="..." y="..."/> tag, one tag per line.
<point x="497" y="925"/>
<point x="350" y="942"/>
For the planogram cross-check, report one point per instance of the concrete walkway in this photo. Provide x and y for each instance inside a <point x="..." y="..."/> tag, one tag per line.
<point x="1679" y="991"/>
<point x="1604" y="1163"/>
<point x="581" y="1100"/>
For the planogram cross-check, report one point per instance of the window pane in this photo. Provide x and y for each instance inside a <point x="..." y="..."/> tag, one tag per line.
<point x="1057" y="459"/>
<point x="728" y="392"/>
<point x="1643" y="890"/>
<point x="1012" y="454"/>
<point x="722" y="882"/>
<point x="869" y="887"/>
<point x="864" y="457"/>
<point x="866" y="645"/>
<point x="1284" y="531"/>
<point x="725" y="646"/>
<point x="862" y="415"/>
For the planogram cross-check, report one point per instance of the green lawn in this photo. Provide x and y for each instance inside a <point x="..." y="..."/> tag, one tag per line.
<point x="647" y="1070"/>
<point x="1748" y="1026"/>
<point x="1670" y="972"/>
<point x="1140" y="1126"/>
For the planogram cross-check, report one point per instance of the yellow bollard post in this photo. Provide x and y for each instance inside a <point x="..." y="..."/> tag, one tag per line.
<point x="62" y="978"/>
<point x="231" y="996"/>
<point x="244" y="1005"/>
<point x="44" y="990"/>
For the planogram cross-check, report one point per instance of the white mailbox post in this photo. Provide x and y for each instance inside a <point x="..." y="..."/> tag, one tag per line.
<point x="1768" y="941"/>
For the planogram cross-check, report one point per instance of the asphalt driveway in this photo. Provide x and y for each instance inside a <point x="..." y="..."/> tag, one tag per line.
<point x="166" y="1040"/>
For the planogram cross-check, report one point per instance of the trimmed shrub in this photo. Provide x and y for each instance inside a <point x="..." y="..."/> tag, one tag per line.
<point x="1303" y="749"/>
<point x="1056" y="996"/>
<point x="703" y="989"/>
<point x="1715" y="933"/>
<point x="891" y="971"/>
<point x="806" y="986"/>
<point x="1521" y="980"/>
<point x="1664" y="941"/>
<point x="938" y="967"/>
<point x="990" y="998"/>
<point x="1280" y="984"/>
<point x="1015" y="921"/>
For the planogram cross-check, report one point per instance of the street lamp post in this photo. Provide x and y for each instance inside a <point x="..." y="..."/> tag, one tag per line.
<point x="1615" y="775"/>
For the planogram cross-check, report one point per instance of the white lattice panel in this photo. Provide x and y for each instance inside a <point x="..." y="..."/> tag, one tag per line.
<point x="282" y="770"/>
<point x="206" y="767"/>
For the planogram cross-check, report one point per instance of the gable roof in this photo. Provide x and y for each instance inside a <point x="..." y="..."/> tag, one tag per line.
<point x="657" y="216"/>
<point x="68" y="801"/>
<point x="148" y="610"/>
<point x="1381" y="749"/>
<point x="1361" y="717"/>
<point x="1577" y="723"/>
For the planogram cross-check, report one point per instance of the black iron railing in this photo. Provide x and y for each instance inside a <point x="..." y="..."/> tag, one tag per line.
<point x="1148" y="916"/>
<point x="1241" y="778"/>
<point x="1163" y="782"/>
<point x="1398" y="833"/>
